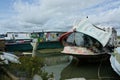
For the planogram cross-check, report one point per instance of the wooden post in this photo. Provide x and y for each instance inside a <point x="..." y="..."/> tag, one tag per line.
<point x="34" y="45"/>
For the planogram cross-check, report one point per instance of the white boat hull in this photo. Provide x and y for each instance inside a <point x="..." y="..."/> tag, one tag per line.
<point x="115" y="63"/>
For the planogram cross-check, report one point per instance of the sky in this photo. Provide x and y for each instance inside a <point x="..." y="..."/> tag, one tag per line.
<point x="60" y="15"/>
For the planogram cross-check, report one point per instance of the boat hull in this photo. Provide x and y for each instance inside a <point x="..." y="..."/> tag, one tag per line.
<point x="90" y="58"/>
<point x="28" y="46"/>
<point x="115" y="65"/>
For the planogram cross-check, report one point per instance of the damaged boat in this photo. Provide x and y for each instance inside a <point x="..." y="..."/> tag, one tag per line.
<point x="88" y="40"/>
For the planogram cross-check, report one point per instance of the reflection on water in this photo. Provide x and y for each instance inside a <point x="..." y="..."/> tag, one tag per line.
<point x="87" y="69"/>
<point x="56" y="69"/>
<point x="55" y="64"/>
<point x="90" y="71"/>
<point x="61" y="67"/>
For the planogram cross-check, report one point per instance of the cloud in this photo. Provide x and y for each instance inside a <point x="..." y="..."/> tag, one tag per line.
<point x="61" y="14"/>
<point x="49" y="9"/>
<point x="47" y="12"/>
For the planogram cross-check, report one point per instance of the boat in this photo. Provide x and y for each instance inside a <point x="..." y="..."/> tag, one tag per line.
<point x="6" y="58"/>
<point x="87" y="41"/>
<point x="28" y="47"/>
<point x="45" y="40"/>
<point x="115" y="60"/>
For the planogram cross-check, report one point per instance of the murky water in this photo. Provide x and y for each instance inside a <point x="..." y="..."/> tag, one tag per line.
<point x="65" y="67"/>
<point x="90" y="69"/>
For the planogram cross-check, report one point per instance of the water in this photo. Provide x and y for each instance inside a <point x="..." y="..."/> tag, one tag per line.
<point x="56" y="69"/>
<point x="65" y="67"/>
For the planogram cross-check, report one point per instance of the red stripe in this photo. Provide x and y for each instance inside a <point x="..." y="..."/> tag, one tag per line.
<point x="63" y="36"/>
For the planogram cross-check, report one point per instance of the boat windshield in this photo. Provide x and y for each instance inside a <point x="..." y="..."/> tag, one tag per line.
<point x="83" y="40"/>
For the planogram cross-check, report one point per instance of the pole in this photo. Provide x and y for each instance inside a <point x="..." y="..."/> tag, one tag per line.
<point x="34" y="45"/>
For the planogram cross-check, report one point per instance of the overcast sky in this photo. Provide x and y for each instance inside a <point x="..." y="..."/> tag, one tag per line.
<point x="34" y="15"/>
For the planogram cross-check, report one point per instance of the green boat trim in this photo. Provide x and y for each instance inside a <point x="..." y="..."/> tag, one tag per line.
<point x="28" y="46"/>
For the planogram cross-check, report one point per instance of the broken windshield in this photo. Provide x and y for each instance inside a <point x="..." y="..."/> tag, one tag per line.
<point x="83" y="40"/>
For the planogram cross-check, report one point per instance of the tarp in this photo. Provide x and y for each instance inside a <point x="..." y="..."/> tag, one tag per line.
<point x="87" y="28"/>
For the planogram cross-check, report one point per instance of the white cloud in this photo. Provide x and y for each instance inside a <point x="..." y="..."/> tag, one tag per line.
<point x="48" y="9"/>
<point x="60" y="14"/>
<point x="111" y="16"/>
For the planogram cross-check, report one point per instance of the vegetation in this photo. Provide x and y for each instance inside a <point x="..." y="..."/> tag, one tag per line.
<point x="118" y="37"/>
<point x="29" y="67"/>
<point x="32" y="65"/>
